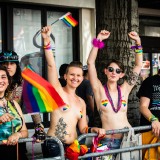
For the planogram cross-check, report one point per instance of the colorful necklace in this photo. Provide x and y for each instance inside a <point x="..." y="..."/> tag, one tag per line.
<point x="110" y="99"/>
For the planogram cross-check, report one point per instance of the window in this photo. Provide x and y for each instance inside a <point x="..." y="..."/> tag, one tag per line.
<point x="150" y="36"/>
<point x="63" y="38"/>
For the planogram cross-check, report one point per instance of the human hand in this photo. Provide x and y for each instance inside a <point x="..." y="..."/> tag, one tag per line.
<point x="101" y="132"/>
<point x="13" y="139"/>
<point x="156" y="128"/>
<point x="104" y="34"/>
<point x="46" y="31"/>
<point x="6" y="117"/>
<point x="133" y="35"/>
<point x="39" y="134"/>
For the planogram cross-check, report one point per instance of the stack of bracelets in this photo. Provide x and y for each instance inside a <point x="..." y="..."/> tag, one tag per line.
<point x="48" y="46"/>
<point x="138" y="49"/>
<point x="153" y="118"/>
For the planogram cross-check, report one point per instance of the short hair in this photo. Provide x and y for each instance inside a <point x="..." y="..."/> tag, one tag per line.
<point x="62" y="69"/>
<point x="77" y="64"/>
<point x="120" y="64"/>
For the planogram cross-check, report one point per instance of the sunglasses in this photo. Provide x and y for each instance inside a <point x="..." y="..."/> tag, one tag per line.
<point x="111" y="69"/>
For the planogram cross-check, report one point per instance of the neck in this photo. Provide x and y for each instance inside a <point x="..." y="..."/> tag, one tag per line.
<point x="1" y="96"/>
<point x="112" y="86"/>
<point x="70" y="91"/>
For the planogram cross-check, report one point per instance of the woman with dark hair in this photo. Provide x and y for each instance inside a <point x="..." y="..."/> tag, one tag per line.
<point x="9" y="59"/>
<point x="12" y="125"/>
<point x="111" y="98"/>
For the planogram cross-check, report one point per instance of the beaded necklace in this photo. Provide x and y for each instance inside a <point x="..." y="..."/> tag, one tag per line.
<point x="110" y="99"/>
<point x="1" y="98"/>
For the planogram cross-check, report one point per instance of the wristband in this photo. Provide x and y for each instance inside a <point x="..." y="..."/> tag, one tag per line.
<point x="86" y="130"/>
<point x="137" y="47"/>
<point x="89" y="129"/>
<point x="153" y="118"/>
<point x="97" y="43"/>
<point x="48" y="46"/>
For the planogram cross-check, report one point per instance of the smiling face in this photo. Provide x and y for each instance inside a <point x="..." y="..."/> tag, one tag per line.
<point x="4" y="82"/>
<point x="74" y="76"/>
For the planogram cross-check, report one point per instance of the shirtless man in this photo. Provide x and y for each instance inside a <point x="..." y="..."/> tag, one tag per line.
<point x="112" y="99"/>
<point x="65" y="119"/>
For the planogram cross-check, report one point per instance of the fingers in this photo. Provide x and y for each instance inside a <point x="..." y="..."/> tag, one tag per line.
<point x="133" y="33"/>
<point x="101" y="133"/>
<point x="6" y="118"/>
<point x="105" y="32"/>
<point x="46" y="29"/>
<point x="12" y="142"/>
<point x="156" y="128"/>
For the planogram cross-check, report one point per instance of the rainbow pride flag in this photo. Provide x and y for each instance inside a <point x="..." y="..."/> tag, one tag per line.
<point x="68" y="20"/>
<point x="38" y="94"/>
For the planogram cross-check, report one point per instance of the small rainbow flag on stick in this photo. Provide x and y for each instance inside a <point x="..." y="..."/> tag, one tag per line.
<point x="38" y="94"/>
<point x="68" y="20"/>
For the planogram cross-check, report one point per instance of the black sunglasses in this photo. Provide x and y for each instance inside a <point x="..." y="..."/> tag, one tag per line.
<point x="111" y="69"/>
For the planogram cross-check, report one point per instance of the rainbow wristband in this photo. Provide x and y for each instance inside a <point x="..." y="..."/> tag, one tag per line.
<point x="48" y="46"/>
<point x="153" y="118"/>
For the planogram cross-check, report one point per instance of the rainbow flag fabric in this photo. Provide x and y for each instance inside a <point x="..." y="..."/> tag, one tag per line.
<point x="69" y="20"/>
<point x="38" y="94"/>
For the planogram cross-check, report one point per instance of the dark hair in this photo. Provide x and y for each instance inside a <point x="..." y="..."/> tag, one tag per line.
<point x="62" y="69"/>
<point x="74" y="64"/>
<point x="2" y="68"/>
<point x="120" y="64"/>
<point x="16" y="79"/>
<point x="11" y="56"/>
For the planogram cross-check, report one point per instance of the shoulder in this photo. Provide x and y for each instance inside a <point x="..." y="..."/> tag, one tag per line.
<point x="81" y="101"/>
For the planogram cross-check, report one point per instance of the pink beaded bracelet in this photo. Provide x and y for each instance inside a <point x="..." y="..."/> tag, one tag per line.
<point x="97" y="43"/>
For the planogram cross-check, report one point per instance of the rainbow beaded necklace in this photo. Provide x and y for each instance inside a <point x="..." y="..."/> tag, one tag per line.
<point x="110" y="99"/>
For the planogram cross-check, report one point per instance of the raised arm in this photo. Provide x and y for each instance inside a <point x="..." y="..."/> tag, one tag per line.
<point x="134" y="74"/>
<point x="51" y="65"/>
<point x="92" y="57"/>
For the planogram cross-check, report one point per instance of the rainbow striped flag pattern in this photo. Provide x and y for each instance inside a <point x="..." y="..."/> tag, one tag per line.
<point x="69" y="20"/>
<point x="38" y="94"/>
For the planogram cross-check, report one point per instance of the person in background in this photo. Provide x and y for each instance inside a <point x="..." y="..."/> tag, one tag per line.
<point x="149" y="94"/>
<point x="84" y="90"/>
<point x="62" y="71"/>
<point x="12" y="124"/>
<point x="112" y="99"/>
<point x="10" y="60"/>
<point x="65" y="119"/>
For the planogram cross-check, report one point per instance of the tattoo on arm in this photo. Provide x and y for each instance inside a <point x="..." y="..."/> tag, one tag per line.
<point x="132" y="78"/>
<point x="60" y="131"/>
